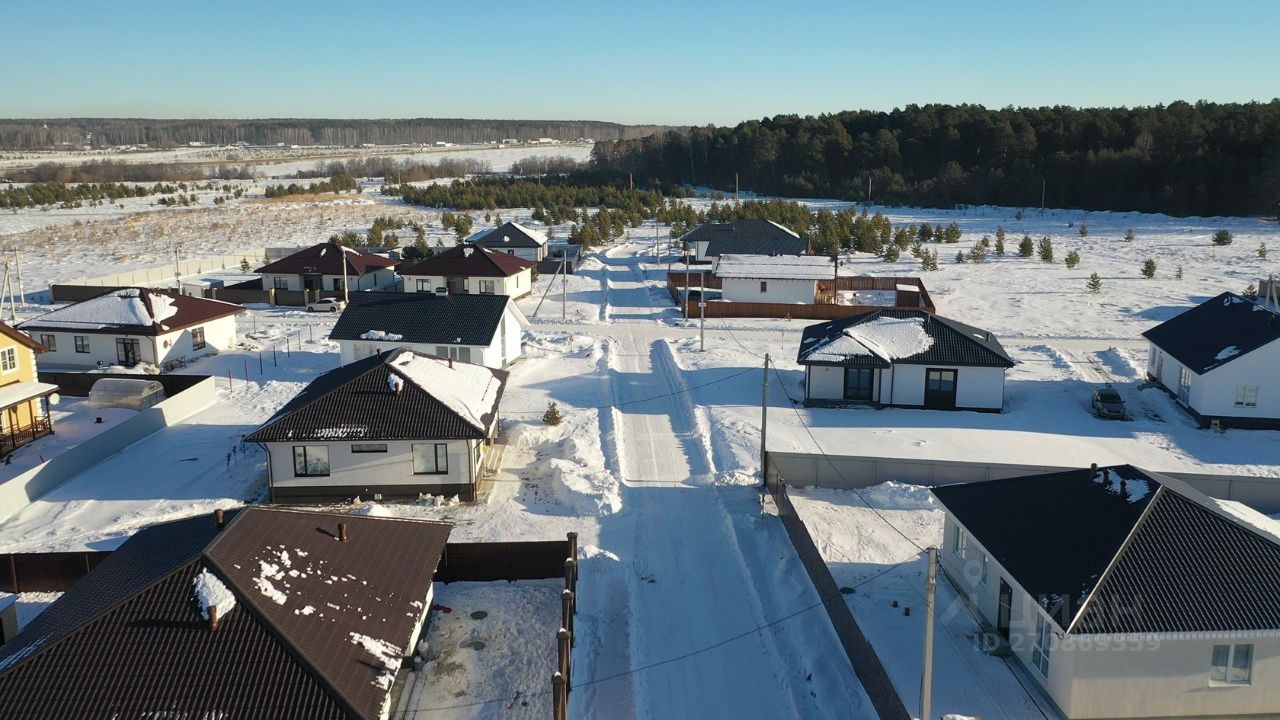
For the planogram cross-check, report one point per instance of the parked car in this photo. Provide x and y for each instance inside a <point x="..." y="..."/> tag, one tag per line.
<point x="326" y="305"/>
<point x="1107" y="403"/>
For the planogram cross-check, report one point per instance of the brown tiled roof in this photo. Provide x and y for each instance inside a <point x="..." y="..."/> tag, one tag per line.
<point x="324" y="259"/>
<point x="469" y="260"/>
<point x="23" y="338"/>
<point x="288" y="649"/>
<point x="82" y="317"/>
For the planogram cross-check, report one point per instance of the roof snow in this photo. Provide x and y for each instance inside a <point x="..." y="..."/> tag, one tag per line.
<point x="468" y="390"/>
<point x="1227" y="352"/>
<point x="210" y="592"/>
<point x="770" y="267"/>
<point x="885" y="337"/>
<point x="395" y="382"/>
<point x="381" y="335"/>
<point x="387" y="655"/>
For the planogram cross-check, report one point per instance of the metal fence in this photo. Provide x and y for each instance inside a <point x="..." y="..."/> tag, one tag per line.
<point x="799" y="311"/>
<point x="75" y="384"/>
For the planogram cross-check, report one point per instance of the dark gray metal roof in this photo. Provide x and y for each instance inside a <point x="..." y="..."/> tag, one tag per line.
<point x="1179" y="564"/>
<point x="954" y="343"/>
<point x="738" y="230"/>
<point x="355" y="402"/>
<point x="507" y="235"/>
<point x="423" y="317"/>
<point x="757" y="246"/>
<point x="1202" y="338"/>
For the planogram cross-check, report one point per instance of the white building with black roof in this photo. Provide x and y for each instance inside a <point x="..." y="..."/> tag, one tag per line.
<point x="1125" y="593"/>
<point x="397" y="424"/>
<point x="513" y="238"/>
<point x="1220" y="360"/>
<point x="746" y="236"/>
<point x="903" y="358"/>
<point x="482" y="329"/>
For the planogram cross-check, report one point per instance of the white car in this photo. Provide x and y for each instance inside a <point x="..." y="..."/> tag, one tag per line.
<point x="326" y="305"/>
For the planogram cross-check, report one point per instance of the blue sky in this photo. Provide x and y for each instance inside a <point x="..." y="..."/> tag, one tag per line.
<point x="648" y="61"/>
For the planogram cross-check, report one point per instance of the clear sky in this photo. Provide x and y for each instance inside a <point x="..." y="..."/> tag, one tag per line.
<point x="642" y="61"/>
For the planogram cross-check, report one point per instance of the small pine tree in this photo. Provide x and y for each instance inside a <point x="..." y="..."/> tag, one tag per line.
<point x="1094" y="284"/>
<point x="978" y="253"/>
<point x="891" y="253"/>
<point x="552" y="416"/>
<point x="1177" y="275"/>
<point x="985" y="242"/>
<point x="1262" y="251"/>
<point x="1148" y="268"/>
<point x="1084" y="230"/>
<point x="916" y="249"/>
<point x="1000" y="235"/>
<point x="928" y="260"/>
<point x="1128" y="235"/>
<point x="925" y="233"/>
<point x="951" y="234"/>
<point x="244" y="265"/>
<point x="1026" y="247"/>
<point x="960" y="257"/>
<point x="1045" y="249"/>
<point x="1222" y="237"/>
<point x="1072" y="259"/>
<point x="1018" y="215"/>
<point x="1251" y="292"/>
<point x="999" y="245"/>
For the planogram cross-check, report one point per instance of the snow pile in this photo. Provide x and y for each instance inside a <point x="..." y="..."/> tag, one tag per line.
<point x="381" y="335"/>
<point x="395" y="382"/>
<point x="387" y="655"/>
<point x="1132" y="490"/>
<point x="142" y="368"/>
<point x="468" y="390"/>
<point x="372" y="510"/>
<point x="162" y="308"/>
<point x="210" y="592"/>
<point x="571" y="463"/>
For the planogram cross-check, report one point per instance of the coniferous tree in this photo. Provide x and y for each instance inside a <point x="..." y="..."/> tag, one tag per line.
<point x="1045" y="249"/>
<point x="925" y="233"/>
<point x="1251" y="292"/>
<point x="951" y="234"/>
<point x="960" y="257"/>
<point x="978" y="253"/>
<point x="929" y="260"/>
<point x="1148" y="268"/>
<point x="1222" y="237"/>
<point x="1072" y="259"/>
<point x="1000" y="236"/>
<point x="1128" y="235"/>
<point x="891" y="252"/>
<point x="1262" y="251"/>
<point x="1095" y="284"/>
<point x="1026" y="247"/>
<point x="999" y="245"/>
<point x="244" y="265"/>
<point x="1084" y="229"/>
<point x="1177" y="274"/>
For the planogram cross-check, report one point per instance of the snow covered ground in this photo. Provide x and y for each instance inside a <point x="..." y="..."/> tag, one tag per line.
<point x="73" y="423"/>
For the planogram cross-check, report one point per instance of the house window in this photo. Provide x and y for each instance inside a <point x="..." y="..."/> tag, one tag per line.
<point x="82" y="344"/>
<point x="50" y="342"/>
<point x="8" y="360"/>
<point x="424" y="286"/>
<point x="764" y="286"/>
<point x="453" y="352"/>
<point x="960" y="542"/>
<point x="486" y="287"/>
<point x="1232" y="664"/>
<point x="337" y="284"/>
<point x="310" y="461"/>
<point x="1246" y="396"/>
<point x="280" y="283"/>
<point x="1184" y="385"/>
<point x="859" y="383"/>
<point x="197" y="338"/>
<point x="431" y="459"/>
<point x="982" y="568"/>
<point x="368" y="447"/>
<point x="1040" y="650"/>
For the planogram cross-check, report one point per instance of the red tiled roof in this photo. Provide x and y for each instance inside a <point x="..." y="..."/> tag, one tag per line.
<point x="469" y="260"/>
<point x="101" y="315"/>
<point x="323" y="259"/>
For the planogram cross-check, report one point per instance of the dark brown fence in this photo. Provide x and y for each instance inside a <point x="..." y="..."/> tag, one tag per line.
<point x="46" y="572"/>
<point x="866" y="664"/>
<point x="484" y="562"/>
<point x="920" y="299"/>
<point x="240" y="296"/>
<point x="79" y="384"/>
<point x="76" y="293"/>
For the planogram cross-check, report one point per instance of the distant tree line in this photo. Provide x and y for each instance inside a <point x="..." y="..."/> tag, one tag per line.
<point x="1206" y="159"/>
<point x="554" y="199"/>
<point x="337" y="183"/>
<point x="70" y="196"/>
<point x="105" y="171"/>
<point x="33" y="134"/>
<point x="398" y="171"/>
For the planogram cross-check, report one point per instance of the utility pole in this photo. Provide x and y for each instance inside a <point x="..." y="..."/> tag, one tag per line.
<point x="564" y="289"/>
<point x="8" y="295"/>
<point x="702" y="311"/>
<point x="1042" y="187"/>
<point x="931" y="596"/>
<point x="177" y="271"/>
<point x="346" y="295"/>
<point x="764" y="420"/>
<point x="17" y="266"/>
<point x="735" y="188"/>
<point x="868" y="189"/>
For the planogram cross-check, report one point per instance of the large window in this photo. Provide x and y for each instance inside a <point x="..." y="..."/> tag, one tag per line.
<point x="486" y="287"/>
<point x="310" y="460"/>
<point x="424" y="286"/>
<point x="337" y="285"/>
<point x="1184" y="385"/>
<point x="8" y="359"/>
<point x="82" y="344"/>
<point x="50" y="342"/>
<point x="1246" y="396"/>
<point x="859" y="384"/>
<point x="1040" y="650"/>
<point x="280" y="283"/>
<point x="197" y="338"/>
<point x="453" y="352"/>
<point x="431" y="459"/>
<point x="1232" y="664"/>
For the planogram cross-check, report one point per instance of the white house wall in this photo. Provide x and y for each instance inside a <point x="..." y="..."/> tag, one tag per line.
<point x="776" y="291"/>
<point x="824" y="382"/>
<point x="220" y="334"/>
<point x="515" y="286"/>
<point x="368" y="281"/>
<point x="394" y="467"/>
<point x="1214" y="393"/>
<point x="976" y="387"/>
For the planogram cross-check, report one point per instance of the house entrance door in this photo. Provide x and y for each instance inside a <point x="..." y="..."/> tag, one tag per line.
<point x="128" y="352"/>
<point x="1006" y="609"/>
<point x="940" y="389"/>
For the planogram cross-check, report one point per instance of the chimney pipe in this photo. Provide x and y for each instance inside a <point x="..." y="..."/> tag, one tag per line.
<point x="342" y="532"/>
<point x="1093" y="469"/>
<point x="213" y="618"/>
<point x="219" y="518"/>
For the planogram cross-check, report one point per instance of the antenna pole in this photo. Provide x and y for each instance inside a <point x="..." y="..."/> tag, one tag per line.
<point x="764" y="420"/>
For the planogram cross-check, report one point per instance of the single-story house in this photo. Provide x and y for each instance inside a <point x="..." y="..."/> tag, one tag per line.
<point x="396" y="424"/>
<point x="135" y="325"/>
<point x="742" y="237"/>
<point x="513" y="238"/>
<point x="320" y="267"/>
<point x="255" y="613"/>
<point x="483" y="329"/>
<point x="772" y="279"/>
<point x="903" y="358"/>
<point x="561" y="255"/>
<point x="1220" y="360"/>
<point x="24" y="400"/>
<point x="470" y="269"/>
<point x="1125" y="593"/>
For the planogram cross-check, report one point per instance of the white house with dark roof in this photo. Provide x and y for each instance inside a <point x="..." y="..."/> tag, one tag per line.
<point x="321" y="267"/>
<point x="1220" y="360"/>
<point x="770" y="279"/>
<point x="903" y="358"/>
<point x="470" y="269"/>
<point x="746" y="236"/>
<point x="397" y="424"/>
<point x="483" y="329"/>
<point x="513" y="238"/>
<point x="134" y="325"/>
<point x="1125" y="593"/>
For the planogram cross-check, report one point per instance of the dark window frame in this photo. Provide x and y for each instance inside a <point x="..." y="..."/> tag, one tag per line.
<point x="82" y="344"/>
<point x="305" y="471"/>
<point x="440" y="450"/>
